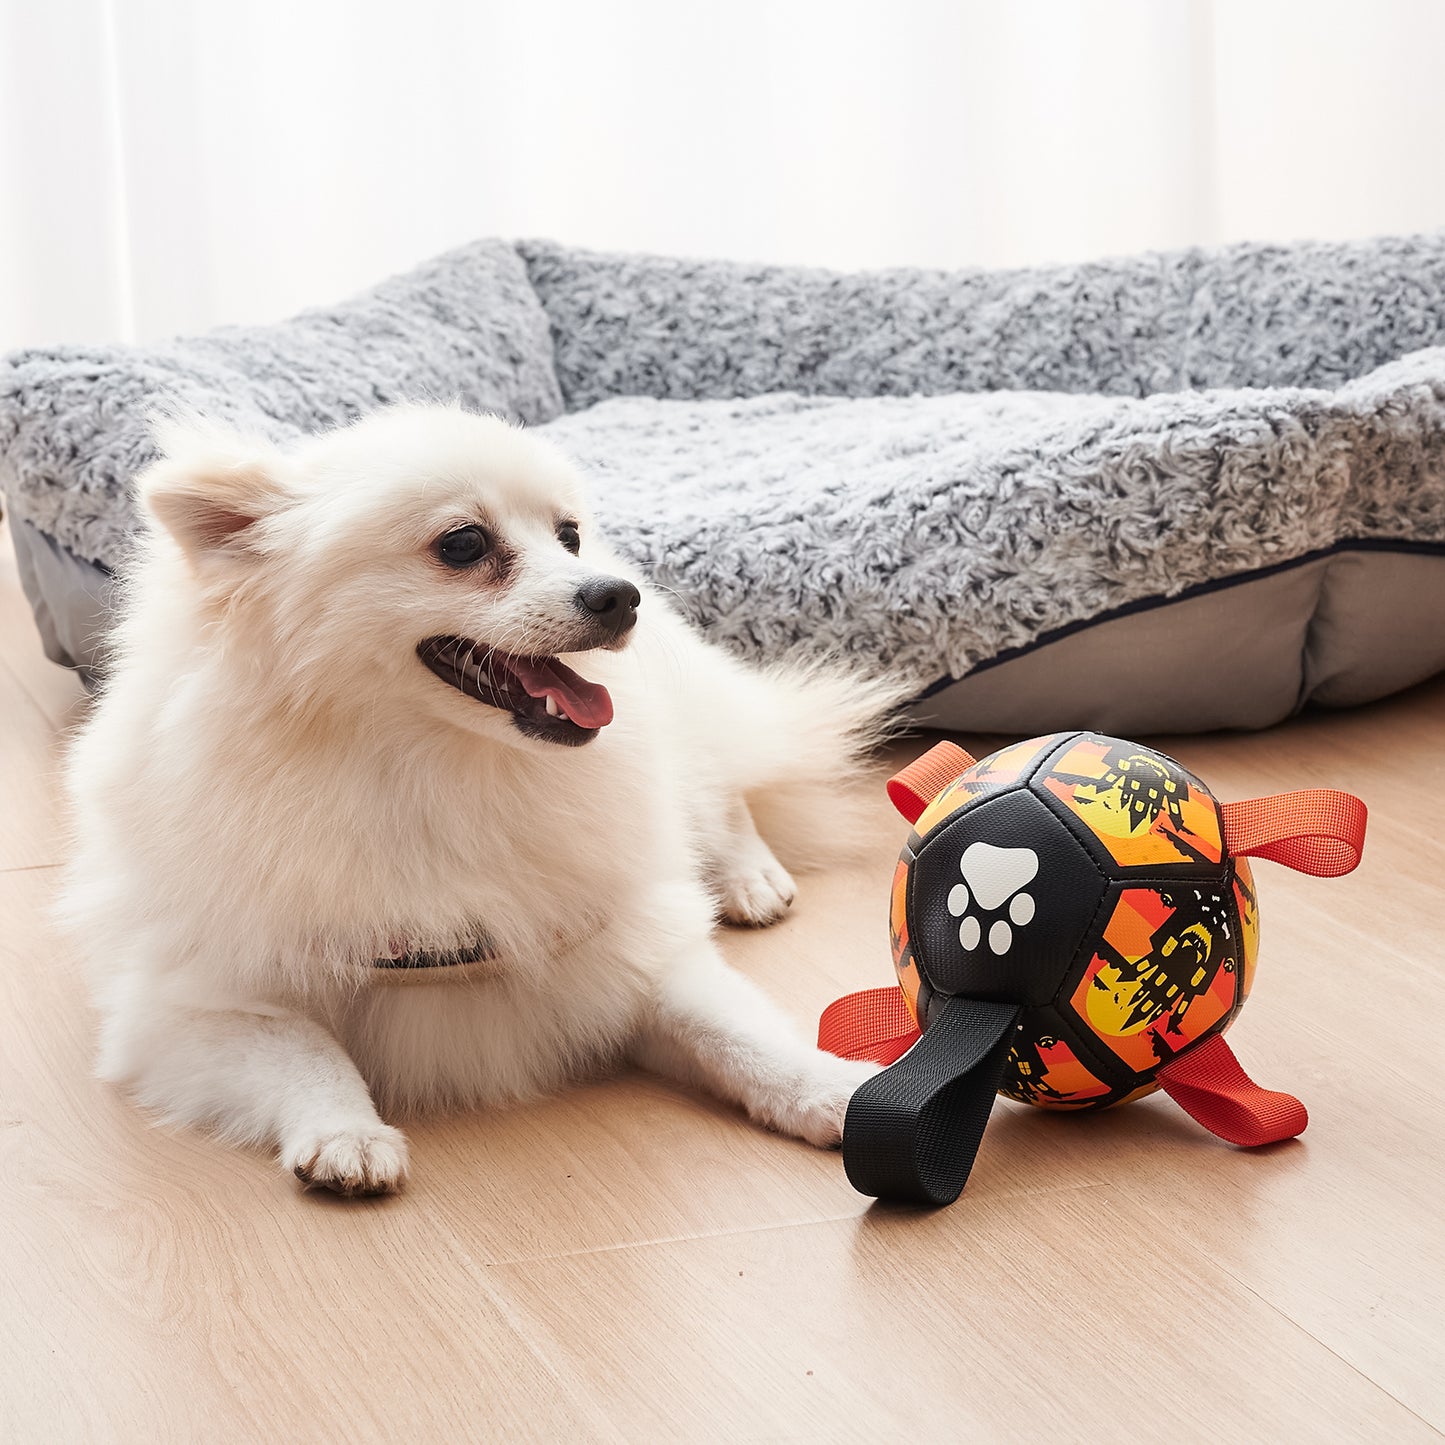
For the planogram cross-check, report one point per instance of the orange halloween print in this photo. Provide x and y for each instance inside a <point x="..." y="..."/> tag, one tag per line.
<point x="1247" y="902"/>
<point x="1046" y="1072"/>
<point x="1144" y="808"/>
<point x="909" y="979"/>
<point x="1163" y="974"/>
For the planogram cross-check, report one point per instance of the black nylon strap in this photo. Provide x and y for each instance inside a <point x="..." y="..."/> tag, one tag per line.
<point x="911" y="1132"/>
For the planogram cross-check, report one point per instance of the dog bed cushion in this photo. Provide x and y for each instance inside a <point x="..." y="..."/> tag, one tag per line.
<point x="1007" y="487"/>
<point x="955" y="537"/>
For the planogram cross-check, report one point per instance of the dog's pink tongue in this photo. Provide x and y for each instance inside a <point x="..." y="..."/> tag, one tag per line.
<point x="588" y="704"/>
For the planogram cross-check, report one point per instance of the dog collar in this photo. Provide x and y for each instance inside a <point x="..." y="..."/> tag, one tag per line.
<point x="470" y="960"/>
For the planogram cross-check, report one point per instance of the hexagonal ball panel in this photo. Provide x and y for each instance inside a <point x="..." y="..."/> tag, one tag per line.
<point x="1162" y="972"/>
<point x="1132" y="807"/>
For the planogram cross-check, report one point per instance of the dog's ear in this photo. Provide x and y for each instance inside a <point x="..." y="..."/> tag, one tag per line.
<point x="211" y="487"/>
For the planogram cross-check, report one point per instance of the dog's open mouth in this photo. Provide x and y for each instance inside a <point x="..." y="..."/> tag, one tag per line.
<point x="545" y="697"/>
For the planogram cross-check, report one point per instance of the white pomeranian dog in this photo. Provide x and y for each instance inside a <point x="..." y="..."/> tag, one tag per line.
<point x="405" y="792"/>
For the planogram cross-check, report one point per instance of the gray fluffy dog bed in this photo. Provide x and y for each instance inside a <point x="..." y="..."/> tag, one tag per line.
<point x="1159" y="494"/>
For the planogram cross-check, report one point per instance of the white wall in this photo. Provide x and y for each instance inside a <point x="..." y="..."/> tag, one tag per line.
<point x="166" y="165"/>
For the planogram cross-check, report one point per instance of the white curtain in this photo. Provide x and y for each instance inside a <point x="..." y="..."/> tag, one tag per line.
<point x="166" y="165"/>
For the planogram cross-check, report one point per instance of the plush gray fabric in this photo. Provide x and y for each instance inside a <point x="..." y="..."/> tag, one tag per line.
<point x="693" y="330"/>
<point x="73" y="418"/>
<point x="1312" y="314"/>
<point x="929" y="471"/>
<point x="929" y="534"/>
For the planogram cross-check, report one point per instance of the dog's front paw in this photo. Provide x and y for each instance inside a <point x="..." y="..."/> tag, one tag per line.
<point x="756" y="896"/>
<point x="817" y="1111"/>
<point x="370" y="1159"/>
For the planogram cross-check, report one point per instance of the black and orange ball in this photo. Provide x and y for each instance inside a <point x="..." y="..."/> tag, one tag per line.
<point x="1087" y="879"/>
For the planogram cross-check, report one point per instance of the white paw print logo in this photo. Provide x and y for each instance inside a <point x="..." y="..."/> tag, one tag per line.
<point x="992" y="877"/>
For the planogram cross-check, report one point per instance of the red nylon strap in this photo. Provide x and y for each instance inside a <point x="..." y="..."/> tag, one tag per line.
<point x="1317" y="831"/>
<point x="1207" y="1082"/>
<point x="874" y="1024"/>
<point x="917" y="785"/>
<point x="1209" y="1085"/>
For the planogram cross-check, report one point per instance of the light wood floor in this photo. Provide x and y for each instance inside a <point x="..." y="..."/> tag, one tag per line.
<point x="629" y="1263"/>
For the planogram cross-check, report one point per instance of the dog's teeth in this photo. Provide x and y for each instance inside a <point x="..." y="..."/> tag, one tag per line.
<point x="552" y="709"/>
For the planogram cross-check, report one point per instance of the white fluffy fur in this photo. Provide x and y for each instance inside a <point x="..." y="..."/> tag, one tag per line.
<point x="273" y="790"/>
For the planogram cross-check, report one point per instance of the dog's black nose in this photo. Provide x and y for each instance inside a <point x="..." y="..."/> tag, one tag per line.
<point x="611" y="600"/>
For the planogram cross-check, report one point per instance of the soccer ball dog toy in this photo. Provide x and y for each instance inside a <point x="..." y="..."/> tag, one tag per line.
<point x="1074" y="925"/>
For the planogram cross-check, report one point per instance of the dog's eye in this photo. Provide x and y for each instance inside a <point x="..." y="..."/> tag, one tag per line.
<point x="462" y="547"/>
<point x="570" y="537"/>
